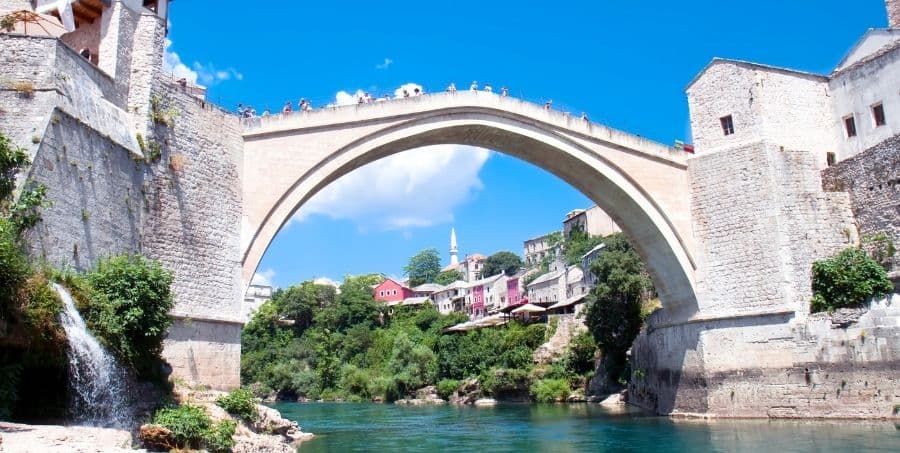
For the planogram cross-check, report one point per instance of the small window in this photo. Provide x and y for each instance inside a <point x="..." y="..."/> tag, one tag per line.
<point x="850" y="126"/>
<point x="727" y="124"/>
<point x="829" y="159"/>
<point x="878" y="114"/>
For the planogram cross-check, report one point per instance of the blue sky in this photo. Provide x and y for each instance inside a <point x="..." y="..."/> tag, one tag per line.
<point x="624" y="63"/>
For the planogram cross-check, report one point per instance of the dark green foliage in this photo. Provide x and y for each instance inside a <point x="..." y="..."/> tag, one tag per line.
<point x="614" y="306"/>
<point x="578" y="243"/>
<point x="446" y="387"/>
<point x="423" y="267"/>
<point x="580" y="356"/>
<point x="25" y="213"/>
<point x="550" y="390"/>
<point x="847" y="280"/>
<point x="189" y="424"/>
<point x="298" y="303"/>
<point x="447" y="277"/>
<point x="218" y="438"/>
<point x="239" y="402"/>
<point x="500" y="381"/>
<point x="506" y="262"/>
<point x="132" y="300"/>
<point x="12" y="160"/>
<point x="354" y="350"/>
<point x="9" y="381"/>
<point x="14" y="269"/>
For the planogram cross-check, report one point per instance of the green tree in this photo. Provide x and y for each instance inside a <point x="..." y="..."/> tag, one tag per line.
<point x="355" y="305"/>
<point x="12" y="160"/>
<point x="578" y="244"/>
<point x="136" y="299"/>
<point x="847" y="280"/>
<point x="423" y="267"/>
<point x="298" y="303"/>
<point x="507" y="262"/>
<point x="448" y="276"/>
<point x="614" y="306"/>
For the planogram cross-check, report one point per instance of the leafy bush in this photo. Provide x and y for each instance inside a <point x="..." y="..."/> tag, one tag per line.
<point x="14" y="267"/>
<point x="218" y="438"/>
<point x="189" y="424"/>
<point x="137" y="291"/>
<point x="239" y="402"/>
<point x="446" y="387"/>
<point x="497" y="381"/>
<point x="550" y="390"/>
<point x="847" y="280"/>
<point x="12" y="160"/>
<point x="579" y="357"/>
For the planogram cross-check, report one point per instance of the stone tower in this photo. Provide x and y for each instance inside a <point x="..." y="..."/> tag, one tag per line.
<point x="454" y="251"/>
<point x="893" y="10"/>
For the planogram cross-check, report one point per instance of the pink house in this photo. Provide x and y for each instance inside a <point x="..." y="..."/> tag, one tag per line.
<point x="512" y="291"/>
<point x="390" y="291"/>
<point x="478" y="300"/>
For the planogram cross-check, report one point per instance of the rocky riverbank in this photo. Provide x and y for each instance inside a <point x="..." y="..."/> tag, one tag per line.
<point x="270" y="432"/>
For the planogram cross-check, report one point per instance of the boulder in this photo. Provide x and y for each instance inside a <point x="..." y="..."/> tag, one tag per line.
<point x="156" y="437"/>
<point x="485" y="402"/>
<point x="576" y="396"/>
<point x="270" y="421"/>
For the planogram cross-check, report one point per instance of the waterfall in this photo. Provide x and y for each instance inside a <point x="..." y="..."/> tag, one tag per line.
<point x="97" y="381"/>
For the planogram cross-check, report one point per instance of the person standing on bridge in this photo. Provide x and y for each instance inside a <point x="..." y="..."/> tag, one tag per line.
<point x="504" y="91"/>
<point x="287" y="108"/>
<point x="548" y="105"/>
<point x="451" y="88"/>
<point x="584" y="116"/>
<point x="474" y="86"/>
<point x="488" y="88"/>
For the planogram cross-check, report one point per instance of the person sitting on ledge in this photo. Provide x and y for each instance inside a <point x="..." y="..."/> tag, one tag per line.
<point x="451" y="88"/>
<point x="474" y="86"/>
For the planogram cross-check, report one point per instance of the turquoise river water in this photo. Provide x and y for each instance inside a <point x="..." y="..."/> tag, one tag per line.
<point x="344" y="427"/>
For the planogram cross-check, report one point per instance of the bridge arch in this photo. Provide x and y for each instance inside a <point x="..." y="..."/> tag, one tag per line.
<point x="287" y="161"/>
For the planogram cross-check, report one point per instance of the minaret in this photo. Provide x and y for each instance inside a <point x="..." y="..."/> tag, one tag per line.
<point x="454" y="258"/>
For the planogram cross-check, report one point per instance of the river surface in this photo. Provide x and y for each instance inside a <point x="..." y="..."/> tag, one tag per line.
<point x="341" y="427"/>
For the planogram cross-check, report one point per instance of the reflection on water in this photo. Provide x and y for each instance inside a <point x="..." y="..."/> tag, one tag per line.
<point x="567" y="428"/>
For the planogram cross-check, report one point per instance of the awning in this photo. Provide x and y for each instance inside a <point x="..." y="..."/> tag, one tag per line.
<point x="529" y="308"/>
<point x="570" y="301"/>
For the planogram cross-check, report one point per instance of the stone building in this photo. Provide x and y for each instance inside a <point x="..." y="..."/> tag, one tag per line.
<point x="536" y="249"/>
<point x="593" y="221"/>
<point x="255" y="296"/>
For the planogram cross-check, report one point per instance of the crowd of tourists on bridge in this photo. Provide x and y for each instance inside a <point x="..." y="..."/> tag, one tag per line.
<point x="246" y="111"/>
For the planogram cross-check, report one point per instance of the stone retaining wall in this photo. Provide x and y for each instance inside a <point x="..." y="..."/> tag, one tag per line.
<point x="872" y="178"/>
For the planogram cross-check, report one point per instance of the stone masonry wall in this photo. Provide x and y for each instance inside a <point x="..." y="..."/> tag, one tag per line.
<point x="872" y="178"/>
<point x="94" y="186"/>
<point x="194" y="197"/>
<point x="827" y="366"/>
<point x="761" y="219"/>
<point x="183" y="208"/>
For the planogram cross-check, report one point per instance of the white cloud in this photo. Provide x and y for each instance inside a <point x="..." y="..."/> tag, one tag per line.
<point x="409" y="87"/>
<point x="172" y="63"/>
<point x="263" y="277"/>
<point x="204" y="74"/>
<point x="345" y="98"/>
<point x="387" y="63"/>
<point x="416" y="188"/>
<point x="326" y="281"/>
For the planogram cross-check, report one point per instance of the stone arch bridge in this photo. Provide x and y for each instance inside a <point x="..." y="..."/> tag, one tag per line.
<point x="643" y="185"/>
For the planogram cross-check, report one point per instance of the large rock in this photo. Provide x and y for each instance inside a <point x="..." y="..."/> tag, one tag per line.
<point x="270" y="421"/>
<point x="156" y="437"/>
<point x="467" y="393"/>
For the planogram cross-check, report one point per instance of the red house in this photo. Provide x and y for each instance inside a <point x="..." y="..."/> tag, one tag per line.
<point x="390" y="291"/>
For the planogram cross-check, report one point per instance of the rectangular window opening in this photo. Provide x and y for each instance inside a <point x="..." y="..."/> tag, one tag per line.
<point x="829" y="159"/>
<point x="878" y="115"/>
<point x="850" y="126"/>
<point x="727" y="124"/>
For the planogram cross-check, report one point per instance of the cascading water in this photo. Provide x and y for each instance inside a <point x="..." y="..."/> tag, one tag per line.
<point x="98" y="382"/>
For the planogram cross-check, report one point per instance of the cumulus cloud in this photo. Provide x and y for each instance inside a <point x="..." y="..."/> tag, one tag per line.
<point x="345" y="98"/>
<point x="409" y="87"/>
<point x="387" y="63"/>
<point x="204" y="74"/>
<point x="263" y="277"/>
<point x="172" y="63"/>
<point x="416" y="188"/>
<point x="326" y="281"/>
